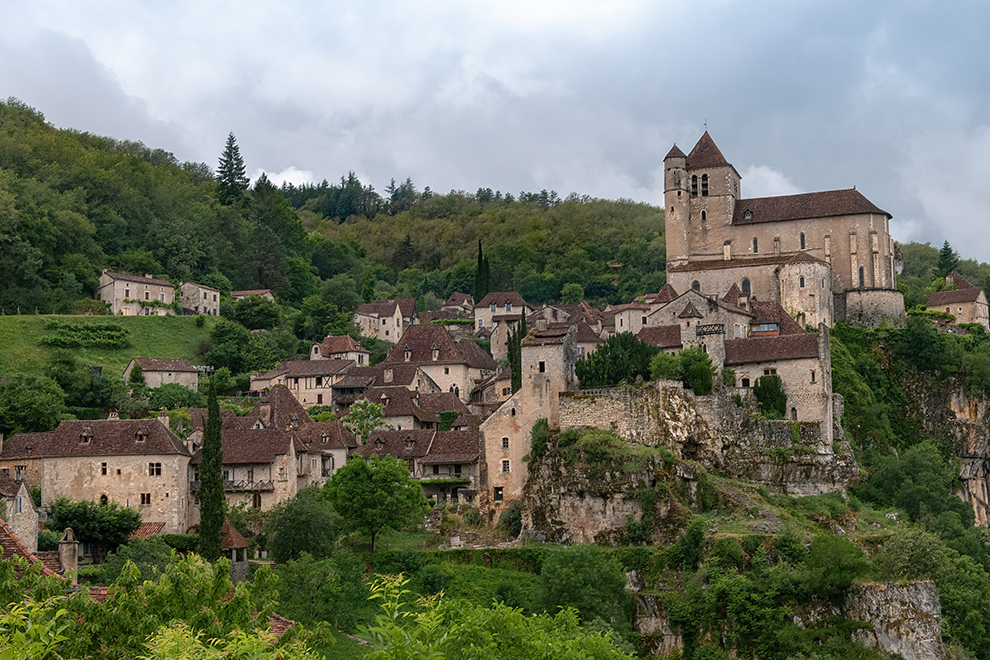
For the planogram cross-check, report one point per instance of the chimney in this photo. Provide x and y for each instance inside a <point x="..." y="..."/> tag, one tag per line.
<point x="68" y="554"/>
<point x="114" y="416"/>
<point x="388" y="375"/>
<point x="163" y="418"/>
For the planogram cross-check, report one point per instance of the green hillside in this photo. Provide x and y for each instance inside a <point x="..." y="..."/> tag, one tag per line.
<point x="149" y="336"/>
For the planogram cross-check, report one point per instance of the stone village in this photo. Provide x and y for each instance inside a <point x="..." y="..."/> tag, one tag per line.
<point x="755" y="283"/>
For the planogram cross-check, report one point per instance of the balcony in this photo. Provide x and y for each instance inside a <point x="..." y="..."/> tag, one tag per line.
<point x="239" y="486"/>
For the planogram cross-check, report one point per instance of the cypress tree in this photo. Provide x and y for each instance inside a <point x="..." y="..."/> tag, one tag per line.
<point x="516" y="337"/>
<point x="211" y="498"/>
<point x="482" y="276"/>
<point x="231" y="173"/>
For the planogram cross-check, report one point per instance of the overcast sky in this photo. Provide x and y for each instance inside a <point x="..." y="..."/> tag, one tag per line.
<point x="575" y="96"/>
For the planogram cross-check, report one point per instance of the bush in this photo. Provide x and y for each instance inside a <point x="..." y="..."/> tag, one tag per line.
<point x="538" y="438"/>
<point x="769" y="393"/>
<point x="666" y="366"/>
<point x="699" y="373"/>
<point x="588" y="579"/>
<point x="511" y="519"/>
<point x="48" y="540"/>
<point x="728" y="377"/>
<point x="171" y="396"/>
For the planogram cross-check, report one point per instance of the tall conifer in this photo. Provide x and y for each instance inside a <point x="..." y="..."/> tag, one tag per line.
<point x="230" y="173"/>
<point x="211" y="499"/>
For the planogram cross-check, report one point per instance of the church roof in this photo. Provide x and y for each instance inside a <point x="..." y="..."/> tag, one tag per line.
<point x="675" y="152"/>
<point x="824" y="204"/>
<point x="705" y="154"/>
<point x="744" y="262"/>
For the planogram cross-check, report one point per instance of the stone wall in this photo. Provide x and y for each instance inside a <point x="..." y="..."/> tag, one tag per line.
<point x="871" y="308"/>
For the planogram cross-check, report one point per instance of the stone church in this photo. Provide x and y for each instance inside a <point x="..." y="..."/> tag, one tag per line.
<point x="824" y="256"/>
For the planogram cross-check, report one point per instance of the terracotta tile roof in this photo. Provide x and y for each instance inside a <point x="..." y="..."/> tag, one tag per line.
<point x="959" y="280"/>
<point x="51" y="560"/>
<point x="438" y="315"/>
<point x="279" y="625"/>
<point x="11" y="546"/>
<point x="459" y="300"/>
<point x="304" y="368"/>
<point x="278" y="409"/>
<point x="99" y="594"/>
<point x="940" y="298"/>
<point x="662" y="336"/>
<point x="500" y="298"/>
<point x="675" y="152"/>
<point x="483" y="333"/>
<point x="770" y="349"/>
<point x="581" y="312"/>
<point x="9" y="487"/>
<point x="197" y="418"/>
<point x="230" y="538"/>
<point x="165" y="364"/>
<point x="824" y="204"/>
<point x="250" y="446"/>
<point x="586" y="334"/>
<point x="404" y="374"/>
<point x="420" y="340"/>
<point x="466" y="421"/>
<point x="332" y="345"/>
<point x="772" y="312"/>
<point x="380" y="308"/>
<point x="438" y="402"/>
<point x="690" y="312"/>
<point x="705" y="154"/>
<point x="475" y="356"/>
<point x="140" y="280"/>
<point x="146" y="530"/>
<point x="105" y="438"/>
<point x="454" y="447"/>
<point x="320" y="436"/>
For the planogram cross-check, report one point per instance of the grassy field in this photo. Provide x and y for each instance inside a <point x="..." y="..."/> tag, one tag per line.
<point x="150" y="336"/>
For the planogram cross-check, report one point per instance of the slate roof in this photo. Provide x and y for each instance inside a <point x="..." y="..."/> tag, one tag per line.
<point x="165" y="364"/>
<point x="705" y="154"/>
<point x="107" y="438"/>
<point x="690" y="312"/>
<point x="675" y="152"/>
<point x="500" y="298"/>
<point x="662" y="336"/>
<point x="555" y="333"/>
<point x="304" y="368"/>
<point x="459" y="300"/>
<point x="803" y="206"/>
<point x="140" y="280"/>
<point x="346" y="344"/>
<point x="428" y="446"/>
<point x="771" y="349"/>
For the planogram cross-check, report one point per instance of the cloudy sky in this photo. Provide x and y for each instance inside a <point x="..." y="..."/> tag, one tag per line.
<point x="578" y="96"/>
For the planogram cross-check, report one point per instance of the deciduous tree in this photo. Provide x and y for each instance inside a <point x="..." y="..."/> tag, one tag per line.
<point x="105" y="526"/>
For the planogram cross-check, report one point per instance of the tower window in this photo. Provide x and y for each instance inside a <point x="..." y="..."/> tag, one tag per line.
<point x="802" y="240"/>
<point x="862" y="277"/>
<point x="696" y="285"/>
<point x="704" y="215"/>
<point x="802" y="282"/>
<point x="746" y="287"/>
<point x="704" y="185"/>
<point x="694" y="185"/>
<point x="756" y="245"/>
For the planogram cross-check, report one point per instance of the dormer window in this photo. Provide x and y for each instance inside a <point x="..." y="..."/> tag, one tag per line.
<point x="86" y="436"/>
<point x="493" y="308"/>
<point x="435" y="353"/>
<point x="747" y="214"/>
<point x="410" y="443"/>
<point x="325" y="438"/>
<point x="379" y="443"/>
<point x="140" y="436"/>
<point x="407" y="354"/>
<point x="508" y="307"/>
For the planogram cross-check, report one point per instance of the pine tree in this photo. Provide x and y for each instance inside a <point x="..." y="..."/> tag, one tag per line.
<point x="947" y="261"/>
<point x="230" y="173"/>
<point x="211" y="497"/>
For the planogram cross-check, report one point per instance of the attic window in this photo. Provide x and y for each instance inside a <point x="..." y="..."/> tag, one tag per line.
<point x="378" y="443"/>
<point x="140" y="436"/>
<point x="325" y="437"/>
<point x="436" y="353"/>
<point x="407" y="354"/>
<point x="410" y="443"/>
<point x="704" y="185"/>
<point x="508" y="307"/>
<point x="747" y="214"/>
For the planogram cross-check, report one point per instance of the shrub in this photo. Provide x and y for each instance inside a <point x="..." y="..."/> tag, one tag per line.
<point x="728" y="377"/>
<point x="538" y="438"/>
<point x="769" y="393"/>
<point x="511" y="519"/>
<point x="666" y="366"/>
<point x="699" y="373"/>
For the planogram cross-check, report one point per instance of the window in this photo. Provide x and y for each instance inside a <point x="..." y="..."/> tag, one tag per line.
<point x="505" y="443"/>
<point x="493" y="308"/>
<point x="862" y="277"/>
<point x="497" y="494"/>
<point x="250" y="474"/>
<point x="746" y="287"/>
<point x="147" y="295"/>
<point x="127" y="293"/>
<point x="319" y="379"/>
<point x="145" y="499"/>
<point x="802" y="240"/>
<point x="644" y="319"/>
<point x="694" y="185"/>
<point x="85" y="437"/>
<point x="384" y="321"/>
<point x="154" y="469"/>
<point x="704" y="185"/>
<point x="696" y="285"/>
<point x="436" y="469"/>
<point x="161" y="297"/>
<point x="769" y="372"/>
<point x="103" y="499"/>
<point x="435" y="353"/>
<point x="140" y="436"/>
<point x="508" y="307"/>
<point x="802" y="282"/>
<point x="704" y="215"/>
<point x="756" y="245"/>
<point x="407" y="354"/>
<point x="543" y="367"/>
<point x="256" y="501"/>
<point x="446" y="371"/>
<point x="19" y="505"/>
<point x="226" y="475"/>
<point x="794" y="414"/>
<point x="281" y="473"/>
<point x="812" y="375"/>
<point x="745" y="382"/>
<point x="20" y="471"/>
<point x="505" y="465"/>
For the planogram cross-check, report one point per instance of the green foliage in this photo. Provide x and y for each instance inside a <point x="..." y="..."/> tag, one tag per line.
<point x="832" y="564"/>
<point x="211" y="495"/>
<point x="571" y="293"/>
<point x="538" y="438"/>
<point x="698" y="370"/>
<point x="33" y="630"/>
<point x="586" y="578"/>
<point x="305" y="524"/>
<point x="150" y="556"/>
<point x="48" y="540"/>
<point x="181" y="542"/>
<point x="728" y="377"/>
<point x="447" y="419"/>
<point x="104" y="525"/>
<point x="171" y="396"/>
<point x="29" y="404"/>
<point x="947" y="261"/>
<point x="257" y="313"/>
<point x="330" y="589"/>
<point x="622" y="357"/>
<point x="687" y="551"/>
<point x="372" y="496"/>
<point x="231" y="178"/>
<point x="770" y="395"/>
<point x="511" y="519"/>
<point x="64" y="334"/>
<point x="364" y="417"/>
<point x="514" y="352"/>
<point x="666" y="366"/>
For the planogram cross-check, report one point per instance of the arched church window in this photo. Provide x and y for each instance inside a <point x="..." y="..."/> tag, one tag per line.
<point x="746" y="288"/>
<point x="802" y="240"/>
<point x="696" y="285"/>
<point x="704" y="185"/>
<point x="704" y="215"/>
<point x="756" y="245"/>
<point x="802" y="282"/>
<point x="694" y="185"/>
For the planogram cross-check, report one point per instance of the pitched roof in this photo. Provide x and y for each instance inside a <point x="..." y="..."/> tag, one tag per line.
<point x="320" y="436"/>
<point x="454" y="447"/>
<point x="662" y="336"/>
<point x="554" y="333"/>
<point x="139" y="279"/>
<point x="664" y="295"/>
<point x="675" y="152"/>
<point x="690" y="312"/>
<point x="705" y="154"/>
<point x="959" y="280"/>
<point x="11" y="546"/>
<point x="250" y="292"/>
<point x="742" y="262"/>
<point x="165" y="364"/>
<point x="230" y="538"/>
<point x="772" y="312"/>
<point x="438" y="402"/>
<point x="732" y="295"/>
<point x="459" y="299"/>
<point x="501" y="298"/>
<point x="125" y="437"/>
<point x="824" y="204"/>
<point x="421" y="340"/>
<point x="278" y="409"/>
<point x="9" y="487"/>
<point x="474" y="356"/>
<point x="404" y="374"/>
<point x="770" y="349"/>
<point x="939" y="298"/>
<point x="146" y="530"/>
<point x="250" y="446"/>
<point x="425" y="444"/>
<point x="380" y="308"/>
<point x="346" y="344"/>
<point x="397" y="401"/>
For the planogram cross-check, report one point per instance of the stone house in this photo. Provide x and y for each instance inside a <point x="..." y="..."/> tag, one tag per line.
<point x="459" y="303"/>
<point x="667" y="337"/>
<point x="548" y="360"/>
<point x="707" y="221"/>
<point x="340" y="348"/>
<point x="453" y="367"/>
<point x="508" y="305"/>
<point x="966" y="302"/>
<point x="138" y="463"/>
<point x="492" y="392"/>
<point x="159" y="371"/>
<point x="19" y="512"/>
<point x="703" y="321"/>
<point x="264" y="293"/>
<point x="309" y="381"/>
<point x="199" y="299"/>
<point x="132" y="295"/>
<point x="446" y="463"/>
<point x="386" y="320"/>
<point x="401" y="408"/>
<point x="629" y="317"/>
<point x="234" y="547"/>
<point x="357" y="380"/>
